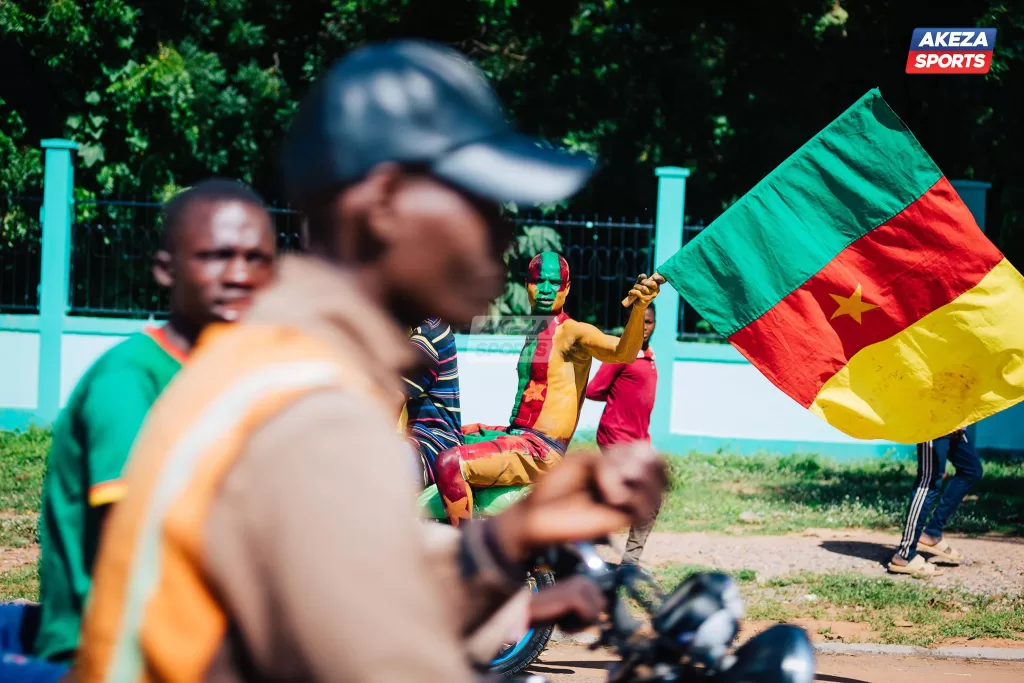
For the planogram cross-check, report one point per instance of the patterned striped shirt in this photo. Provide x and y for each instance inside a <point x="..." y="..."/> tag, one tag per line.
<point x="432" y="393"/>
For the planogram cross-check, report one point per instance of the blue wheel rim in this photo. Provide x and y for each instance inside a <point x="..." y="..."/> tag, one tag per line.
<point x="518" y="647"/>
<point x="514" y="650"/>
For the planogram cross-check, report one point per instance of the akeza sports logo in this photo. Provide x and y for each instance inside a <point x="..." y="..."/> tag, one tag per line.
<point x="951" y="51"/>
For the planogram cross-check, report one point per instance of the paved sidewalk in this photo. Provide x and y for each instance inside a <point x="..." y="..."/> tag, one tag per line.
<point x="577" y="664"/>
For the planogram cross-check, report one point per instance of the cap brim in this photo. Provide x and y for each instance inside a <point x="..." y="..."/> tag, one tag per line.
<point x="513" y="168"/>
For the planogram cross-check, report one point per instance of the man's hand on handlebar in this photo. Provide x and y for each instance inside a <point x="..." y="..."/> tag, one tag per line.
<point x="585" y="498"/>
<point x="574" y="604"/>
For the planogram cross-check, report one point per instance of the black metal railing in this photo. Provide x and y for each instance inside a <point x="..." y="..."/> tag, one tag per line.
<point x="20" y="253"/>
<point x="692" y="327"/>
<point x="113" y="243"/>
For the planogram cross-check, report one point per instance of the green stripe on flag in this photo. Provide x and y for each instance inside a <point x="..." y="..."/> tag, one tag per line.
<point x="523" y="368"/>
<point x="853" y="176"/>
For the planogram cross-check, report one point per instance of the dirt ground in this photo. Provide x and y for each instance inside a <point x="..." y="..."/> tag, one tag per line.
<point x="577" y="664"/>
<point x="994" y="565"/>
<point x="11" y="558"/>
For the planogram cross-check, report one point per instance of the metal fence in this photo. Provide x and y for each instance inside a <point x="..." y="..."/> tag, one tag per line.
<point x="113" y="242"/>
<point x="692" y="327"/>
<point x="20" y="254"/>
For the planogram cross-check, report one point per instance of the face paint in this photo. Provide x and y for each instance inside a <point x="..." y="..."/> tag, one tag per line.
<point x="548" y="282"/>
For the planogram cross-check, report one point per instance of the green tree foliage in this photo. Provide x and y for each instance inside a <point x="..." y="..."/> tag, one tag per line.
<point x="161" y="94"/>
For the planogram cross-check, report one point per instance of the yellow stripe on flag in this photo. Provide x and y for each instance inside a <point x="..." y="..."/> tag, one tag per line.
<point x="957" y="365"/>
<point x="106" y="492"/>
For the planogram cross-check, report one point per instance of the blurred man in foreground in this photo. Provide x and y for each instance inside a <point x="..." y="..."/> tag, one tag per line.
<point x="269" y="530"/>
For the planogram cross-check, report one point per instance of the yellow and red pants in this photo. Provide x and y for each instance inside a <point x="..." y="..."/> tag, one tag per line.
<point x="492" y="456"/>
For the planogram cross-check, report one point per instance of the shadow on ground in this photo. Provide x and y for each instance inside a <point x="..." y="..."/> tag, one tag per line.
<point x="837" y="679"/>
<point x="557" y="667"/>
<point x="864" y="550"/>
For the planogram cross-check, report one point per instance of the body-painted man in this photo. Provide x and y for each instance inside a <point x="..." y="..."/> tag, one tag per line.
<point x="553" y="369"/>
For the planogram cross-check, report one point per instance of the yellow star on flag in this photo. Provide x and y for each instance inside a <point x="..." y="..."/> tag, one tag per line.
<point x="534" y="392"/>
<point x="852" y="305"/>
<point x="457" y="511"/>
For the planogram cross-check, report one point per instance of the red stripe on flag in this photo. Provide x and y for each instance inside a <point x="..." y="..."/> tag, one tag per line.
<point x="536" y="391"/>
<point x="918" y="261"/>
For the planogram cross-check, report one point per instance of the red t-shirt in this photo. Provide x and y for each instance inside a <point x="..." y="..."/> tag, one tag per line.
<point x="628" y="390"/>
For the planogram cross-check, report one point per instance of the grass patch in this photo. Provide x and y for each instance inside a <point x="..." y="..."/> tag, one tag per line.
<point x="783" y="494"/>
<point x="20" y="583"/>
<point x="671" y="576"/>
<point x="708" y="492"/>
<point x="17" y="531"/>
<point x="900" y="612"/>
<point x="897" y="612"/>
<point x="22" y="466"/>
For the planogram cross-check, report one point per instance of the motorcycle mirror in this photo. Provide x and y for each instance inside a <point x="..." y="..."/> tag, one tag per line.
<point x="701" y="617"/>
<point x="782" y="654"/>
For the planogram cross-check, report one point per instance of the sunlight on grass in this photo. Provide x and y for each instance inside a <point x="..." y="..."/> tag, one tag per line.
<point x="709" y="492"/>
<point x="20" y="583"/>
<point x="17" y="531"/>
<point x="897" y="612"/>
<point x="783" y="494"/>
<point x="22" y="465"/>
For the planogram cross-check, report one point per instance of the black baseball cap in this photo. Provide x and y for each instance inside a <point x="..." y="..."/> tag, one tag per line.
<point x="423" y="104"/>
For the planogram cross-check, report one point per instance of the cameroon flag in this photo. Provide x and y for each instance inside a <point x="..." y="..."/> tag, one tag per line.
<point x="857" y="281"/>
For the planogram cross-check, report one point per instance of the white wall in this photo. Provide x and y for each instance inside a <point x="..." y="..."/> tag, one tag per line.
<point x="735" y="401"/>
<point x="77" y="353"/>
<point x="19" y="363"/>
<point x="712" y="399"/>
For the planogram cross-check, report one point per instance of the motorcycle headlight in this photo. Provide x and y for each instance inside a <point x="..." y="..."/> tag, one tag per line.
<point x="701" y="616"/>
<point x="782" y="654"/>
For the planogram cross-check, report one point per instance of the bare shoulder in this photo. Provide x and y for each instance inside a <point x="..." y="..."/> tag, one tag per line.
<point x="580" y="339"/>
<point x="579" y="330"/>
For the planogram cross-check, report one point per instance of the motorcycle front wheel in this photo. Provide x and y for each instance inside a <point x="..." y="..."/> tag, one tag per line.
<point x="515" y="657"/>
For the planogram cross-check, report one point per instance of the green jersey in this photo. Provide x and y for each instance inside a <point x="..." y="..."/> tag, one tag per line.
<point x="92" y="438"/>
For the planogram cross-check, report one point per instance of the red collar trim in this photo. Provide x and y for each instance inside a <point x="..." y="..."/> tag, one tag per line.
<point x="158" y="335"/>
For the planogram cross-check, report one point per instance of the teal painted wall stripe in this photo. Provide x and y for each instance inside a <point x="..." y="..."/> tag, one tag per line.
<point x="56" y="216"/>
<point x="709" y="353"/>
<point x="13" y="419"/>
<point x="681" y="444"/>
<point x="19" y="323"/>
<point x="111" y="327"/>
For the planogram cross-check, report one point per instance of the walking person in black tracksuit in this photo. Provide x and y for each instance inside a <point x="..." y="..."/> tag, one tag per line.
<point x="931" y="465"/>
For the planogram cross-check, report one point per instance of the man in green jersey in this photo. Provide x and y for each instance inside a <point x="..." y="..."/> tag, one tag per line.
<point x="218" y="250"/>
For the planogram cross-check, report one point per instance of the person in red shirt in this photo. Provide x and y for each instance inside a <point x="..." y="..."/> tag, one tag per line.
<point x="628" y="391"/>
